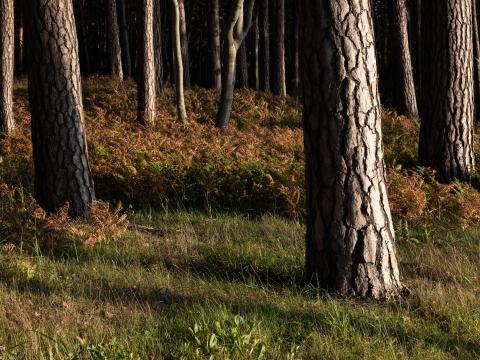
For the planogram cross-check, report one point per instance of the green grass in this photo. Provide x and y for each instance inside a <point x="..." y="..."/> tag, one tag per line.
<point x="188" y="285"/>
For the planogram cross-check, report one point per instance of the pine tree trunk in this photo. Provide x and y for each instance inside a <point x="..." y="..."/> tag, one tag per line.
<point x="158" y="45"/>
<point x="214" y="31"/>
<point x="124" y="41"/>
<point x="177" y="56"/>
<point x="296" y="52"/>
<point x="242" y="67"/>
<point x="115" y="52"/>
<point x="256" y="71"/>
<point x="404" y="95"/>
<point x="446" y="132"/>
<point x="146" y="65"/>
<point x="58" y="132"/>
<point x="7" y="29"/>
<point x="279" y="76"/>
<point x="86" y="66"/>
<point x="19" y="40"/>
<point x="350" y="236"/>
<point x="476" y="55"/>
<point x="184" y="43"/>
<point x="264" y="46"/>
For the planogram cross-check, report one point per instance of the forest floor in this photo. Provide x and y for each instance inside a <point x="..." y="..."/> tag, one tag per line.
<point x="206" y="257"/>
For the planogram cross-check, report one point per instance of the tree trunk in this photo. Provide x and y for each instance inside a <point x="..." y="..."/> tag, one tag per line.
<point x="296" y="52"/>
<point x="58" y="132"/>
<point x="19" y="39"/>
<point x="184" y="43"/>
<point x="446" y="132"/>
<point x="115" y="52"/>
<point x="238" y="28"/>
<point x="214" y="31"/>
<point x="350" y="236"/>
<point x="124" y="42"/>
<point x="7" y="29"/>
<point x="279" y="79"/>
<point x="404" y="96"/>
<point x="177" y="56"/>
<point x="256" y="53"/>
<point x="264" y="46"/>
<point x="146" y="65"/>
<point x="86" y="66"/>
<point x="476" y="53"/>
<point x="242" y="67"/>
<point x="158" y="45"/>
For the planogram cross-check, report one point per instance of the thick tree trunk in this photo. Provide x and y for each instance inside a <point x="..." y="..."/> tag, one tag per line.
<point x="446" y="132"/>
<point x="238" y="28"/>
<point x="146" y="65"/>
<point x="58" y="133"/>
<point x="279" y="76"/>
<point x="124" y="42"/>
<point x="7" y="29"/>
<point x="476" y="55"/>
<point x="177" y="56"/>
<point x="115" y="52"/>
<point x="214" y="31"/>
<point x="184" y="43"/>
<point x="264" y="46"/>
<point x="350" y="236"/>
<point x="242" y="67"/>
<point x="404" y="95"/>
<point x="158" y="45"/>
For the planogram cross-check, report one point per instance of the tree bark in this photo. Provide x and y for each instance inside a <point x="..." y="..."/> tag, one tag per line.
<point x="58" y="132"/>
<point x="350" y="236"/>
<point x="7" y="29"/>
<point x="19" y="39"/>
<point x="179" y="78"/>
<point x="214" y="24"/>
<point x="446" y="132"/>
<point x="476" y="55"/>
<point x="242" y="67"/>
<point x="85" y="53"/>
<point x="296" y="52"/>
<point x="404" y="95"/>
<point x="279" y="76"/>
<point x="264" y="46"/>
<point x="239" y="25"/>
<point x="158" y="45"/>
<point x="184" y="43"/>
<point x="146" y="65"/>
<point x="124" y="41"/>
<point x="115" y="52"/>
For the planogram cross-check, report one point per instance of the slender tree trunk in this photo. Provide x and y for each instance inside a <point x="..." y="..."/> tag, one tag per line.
<point x="7" y="29"/>
<point x="279" y="76"/>
<point x="124" y="42"/>
<point x="238" y="28"/>
<point x="350" y="236"/>
<point x="115" y="52"/>
<point x="446" y="132"/>
<point x="184" y="43"/>
<point x="214" y="31"/>
<point x="256" y="54"/>
<point x="264" y="46"/>
<point x="404" y="95"/>
<point x="146" y="65"/>
<point x="179" y="77"/>
<point x="58" y="132"/>
<point x="158" y="45"/>
<point x="242" y="66"/>
<point x="19" y="39"/>
<point x="296" y="51"/>
<point x="86" y="66"/>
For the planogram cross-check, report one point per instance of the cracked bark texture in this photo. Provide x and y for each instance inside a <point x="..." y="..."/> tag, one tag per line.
<point x="214" y="24"/>
<point x="446" y="132"/>
<point x="146" y="93"/>
<point x="60" y="152"/>
<point x="115" y="52"/>
<point x="279" y="76"/>
<point x="7" y="30"/>
<point x="264" y="46"/>
<point x="350" y="243"/>
<point x="404" y="95"/>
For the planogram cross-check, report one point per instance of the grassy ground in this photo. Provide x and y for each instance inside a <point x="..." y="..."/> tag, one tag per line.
<point x="223" y="281"/>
